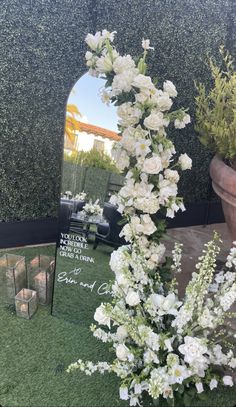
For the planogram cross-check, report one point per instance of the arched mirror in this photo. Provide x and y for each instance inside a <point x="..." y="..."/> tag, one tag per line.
<point x="89" y="224"/>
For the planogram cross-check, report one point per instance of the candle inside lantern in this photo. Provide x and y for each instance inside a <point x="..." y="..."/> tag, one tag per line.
<point x="24" y="308"/>
<point x="26" y="303"/>
<point x="40" y="285"/>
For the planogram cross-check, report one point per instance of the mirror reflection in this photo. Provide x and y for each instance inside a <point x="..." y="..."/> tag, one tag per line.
<point x="89" y="224"/>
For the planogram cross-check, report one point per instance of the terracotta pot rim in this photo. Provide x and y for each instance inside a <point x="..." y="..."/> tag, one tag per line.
<point x="223" y="178"/>
<point x="219" y="160"/>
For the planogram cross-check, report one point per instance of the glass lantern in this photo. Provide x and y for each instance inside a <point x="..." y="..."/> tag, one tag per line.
<point x="40" y="277"/>
<point x="26" y="303"/>
<point x="13" y="275"/>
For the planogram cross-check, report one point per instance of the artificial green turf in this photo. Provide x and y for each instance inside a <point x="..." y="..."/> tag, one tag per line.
<point x="34" y="355"/>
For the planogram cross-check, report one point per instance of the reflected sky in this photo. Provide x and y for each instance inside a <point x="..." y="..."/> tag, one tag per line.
<point x="86" y="96"/>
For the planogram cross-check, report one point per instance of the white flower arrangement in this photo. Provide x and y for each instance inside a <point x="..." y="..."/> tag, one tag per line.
<point x="82" y="196"/>
<point x="92" y="209"/>
<point x="162" y="346"/>
<point x="67" y="195"/>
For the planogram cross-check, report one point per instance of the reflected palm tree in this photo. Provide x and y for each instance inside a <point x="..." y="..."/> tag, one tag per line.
<point x="72" y="125"/>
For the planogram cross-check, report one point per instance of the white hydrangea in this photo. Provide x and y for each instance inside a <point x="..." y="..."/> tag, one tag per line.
<point x="123" y="64"/>
<point x="123" y="83"/>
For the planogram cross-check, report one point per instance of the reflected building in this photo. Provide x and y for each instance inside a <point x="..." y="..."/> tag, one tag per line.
<point x="92" y="137"/>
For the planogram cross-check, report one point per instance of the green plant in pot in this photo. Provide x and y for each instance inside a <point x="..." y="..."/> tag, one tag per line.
<point x="216" y="124"/>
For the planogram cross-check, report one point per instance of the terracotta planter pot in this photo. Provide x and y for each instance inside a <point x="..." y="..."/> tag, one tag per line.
<point x="224" y="184"/>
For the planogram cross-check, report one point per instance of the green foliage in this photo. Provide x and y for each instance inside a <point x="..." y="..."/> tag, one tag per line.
<point x="92" y="158"/>
<point x="33" y="116"/>
<point x="216" y="110"/>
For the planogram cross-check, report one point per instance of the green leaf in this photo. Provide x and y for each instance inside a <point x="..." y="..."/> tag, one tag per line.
<point x="202" y="396"/>
<point x="156" y="402"/>
<point x="181" y="388"/>
<point x="187" y="400"/>
<point x="169" y="402"/>
<point x="192" y="391"/>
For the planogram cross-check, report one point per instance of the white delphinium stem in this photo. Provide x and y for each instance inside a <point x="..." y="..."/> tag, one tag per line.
<point x="197" y="289"/>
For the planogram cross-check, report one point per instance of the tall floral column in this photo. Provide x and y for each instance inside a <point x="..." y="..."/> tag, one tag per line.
<point x="168" y="348"/>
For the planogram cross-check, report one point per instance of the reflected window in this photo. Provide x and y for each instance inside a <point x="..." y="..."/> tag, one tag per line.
<point x="98" y="145"/>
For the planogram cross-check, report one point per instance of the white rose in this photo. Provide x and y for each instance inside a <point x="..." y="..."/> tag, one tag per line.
<point x="199" y="387"/>
<point x="155" y="121"/>
<point x="152" y="165"/>
<point x="171" y="175"/>
<point x="141" y="97"/>
<point x="193" y="349"/>
<point x="143" y="82"/>
<point x="129" y="115"/>
<point x="162" y="100"/>
<point x="213" y="384"/>
<point x="185" y="162"/>
<point x="170" y="88"/>
<point x="132" y="298"/>
<point x="121" y="332"/>
<point x="101" y="317"/>
<point x="228" y="381"/>
<point x="122" y="352"/>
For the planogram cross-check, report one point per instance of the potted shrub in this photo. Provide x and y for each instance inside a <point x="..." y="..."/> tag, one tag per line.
<point x="216" y="124"/>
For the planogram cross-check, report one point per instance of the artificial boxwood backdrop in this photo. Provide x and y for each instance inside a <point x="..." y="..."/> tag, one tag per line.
<point x="42" y="56"/>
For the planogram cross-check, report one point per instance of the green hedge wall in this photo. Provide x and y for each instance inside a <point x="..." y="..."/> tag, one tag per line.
<point x="96" y="182"/>
<point x="42" y="48"/>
